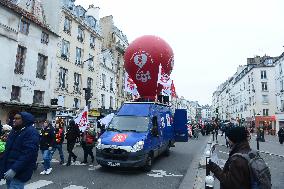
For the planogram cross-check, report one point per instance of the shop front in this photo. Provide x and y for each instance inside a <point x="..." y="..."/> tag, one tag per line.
<point x="41" y="113"/>
<point x="268" y="123"/>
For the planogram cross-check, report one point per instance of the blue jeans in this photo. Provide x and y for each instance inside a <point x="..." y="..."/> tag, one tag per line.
<point x="46" y="155"/>
<point x="59" y="148"/>
<point x="14" y="184"/>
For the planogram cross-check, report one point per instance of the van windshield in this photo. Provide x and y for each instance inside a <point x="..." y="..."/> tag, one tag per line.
<point x="129" y="123"/>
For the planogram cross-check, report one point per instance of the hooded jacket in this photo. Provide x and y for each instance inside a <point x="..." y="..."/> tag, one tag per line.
<point x="21" y="150"/>
<point x="47" y="137"/>
<point x="235" y="174"/>
<point x="73" y="132"/>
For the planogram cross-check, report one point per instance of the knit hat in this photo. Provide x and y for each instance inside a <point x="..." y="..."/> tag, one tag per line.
<point x="237" y="134"/>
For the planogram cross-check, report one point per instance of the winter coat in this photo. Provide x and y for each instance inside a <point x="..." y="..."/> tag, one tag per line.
<point x="2" y="146"/>
<point x="235" y="174"/>
<point x="72" y="133"/>
<point x="21" y="150"/>
<point x="89" y="137"/>
<point x="281" y="133"/>
<point x="47" y="138"/>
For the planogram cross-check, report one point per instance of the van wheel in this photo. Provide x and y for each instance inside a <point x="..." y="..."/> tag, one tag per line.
<point x="167" y="151"/>
<point x="148" y="166"/>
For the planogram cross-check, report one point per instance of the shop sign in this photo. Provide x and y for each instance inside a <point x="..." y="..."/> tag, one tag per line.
<point x="94" y="113"/>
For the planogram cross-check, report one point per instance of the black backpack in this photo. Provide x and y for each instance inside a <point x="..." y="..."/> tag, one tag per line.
<point x="259" y="171"/>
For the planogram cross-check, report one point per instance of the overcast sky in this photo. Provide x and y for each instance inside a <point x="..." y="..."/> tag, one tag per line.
<point x="210" y="38"/>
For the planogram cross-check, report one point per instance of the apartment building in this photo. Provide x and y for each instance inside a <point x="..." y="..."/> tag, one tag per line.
<point x="78" y="55"/>
<point x="116" y="42"/>
<point x="279" y="91"/>
<point x="251" y="93"/>
<point x="27" y="58"/>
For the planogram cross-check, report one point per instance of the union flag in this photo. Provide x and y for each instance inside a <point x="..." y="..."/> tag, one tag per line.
<point x="173" y="90"/>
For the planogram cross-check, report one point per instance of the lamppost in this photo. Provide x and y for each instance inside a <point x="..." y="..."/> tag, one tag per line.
<point x="91" y="58"/>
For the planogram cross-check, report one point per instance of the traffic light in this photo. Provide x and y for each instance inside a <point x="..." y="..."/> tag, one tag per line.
<point x="87" y="93"/>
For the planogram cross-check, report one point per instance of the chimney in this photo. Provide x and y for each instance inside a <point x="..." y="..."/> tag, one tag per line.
<point x="93" y="11"/>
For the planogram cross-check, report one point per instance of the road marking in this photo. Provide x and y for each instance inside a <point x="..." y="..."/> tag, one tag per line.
<point x="161" y="173"/>
<point x="38" y="184"/>
<point x="2" y="182"/>
<point x="78" y="163"/>
<point x="93" y="167"/>
<point x="74" y="187"/>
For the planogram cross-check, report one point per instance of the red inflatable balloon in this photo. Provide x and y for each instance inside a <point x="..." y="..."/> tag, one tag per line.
<point x="142" y="59"/>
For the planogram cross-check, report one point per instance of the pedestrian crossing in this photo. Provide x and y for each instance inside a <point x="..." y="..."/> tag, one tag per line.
<point x="42" y="183"/>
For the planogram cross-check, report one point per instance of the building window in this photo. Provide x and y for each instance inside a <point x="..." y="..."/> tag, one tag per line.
<point x="61" y="100"/>
<point x="104" y="80"/>
<point x="20" y="60"/>
<point x="78" y="56"/>
<point x="282" y="106"/>
<point x="76" y="103"/>
<point x="65" y="50"/>
<point x="15" y="94"/>
<point x="41" y="66"/>
<point x="280" y="68"/>
<point x="265" y="99"/>
<point x="264" y="86"/>
<point x="67" y="25"/>
<point x="103" y="100"/>
<point x="77" y="82"/>
<point x="111" y="84"/>
<point x="265" y="112"/>
<point x="89" y="82"/>
<point x="91" y="63"/>
<point x="111" y="102"/>
<point x="80" y="35"/>
<point x="263" y="74"/>
<point x="92" y="41"/>
<point x="281" y="86"/>
<point x="104" y="61"/>
<point x="24" y="27"/>
<point x="62" y="78"/>
<point x="44" y="38"/>
<point x="38" y="97"/>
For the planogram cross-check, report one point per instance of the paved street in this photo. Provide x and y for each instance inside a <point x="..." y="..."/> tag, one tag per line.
<point x="167" y="172"/>
<point x="271" y="151"/>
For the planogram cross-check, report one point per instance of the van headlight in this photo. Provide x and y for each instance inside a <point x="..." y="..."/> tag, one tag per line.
<point x="99" y="144"/>
<point x="138" y="146"/>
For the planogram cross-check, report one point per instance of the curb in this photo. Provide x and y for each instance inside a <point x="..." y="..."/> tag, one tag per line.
<point x="199" y="181"/>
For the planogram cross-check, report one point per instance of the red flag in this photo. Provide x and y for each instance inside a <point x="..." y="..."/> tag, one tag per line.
<point x="82" y="119"/>
<point x="163" y="78"/>
<point x="173" y="90"/>
<point x="130" y="86"/>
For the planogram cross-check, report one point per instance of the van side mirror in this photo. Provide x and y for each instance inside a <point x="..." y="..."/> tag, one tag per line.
<point x="154" y="130"/>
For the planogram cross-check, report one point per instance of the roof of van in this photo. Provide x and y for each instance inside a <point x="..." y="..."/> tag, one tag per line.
<point x="157" y="103"/>
<point x="138" y="108"/>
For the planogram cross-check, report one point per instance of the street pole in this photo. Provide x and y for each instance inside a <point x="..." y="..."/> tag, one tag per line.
<point x="257" y="143"/>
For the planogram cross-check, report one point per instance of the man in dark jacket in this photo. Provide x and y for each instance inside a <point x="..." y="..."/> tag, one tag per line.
<point x="281" y="135"/>
<point x="235" y="174"/>
<point x="20" y="157"/>
<point x="47" y="143"/>
<point x="72" y="134"/>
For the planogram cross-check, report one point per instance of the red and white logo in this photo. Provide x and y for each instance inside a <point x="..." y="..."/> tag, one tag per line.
<point x="119" y="138"/>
